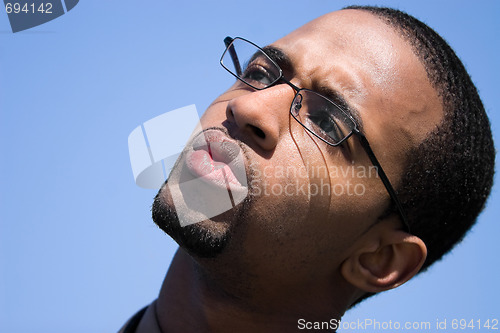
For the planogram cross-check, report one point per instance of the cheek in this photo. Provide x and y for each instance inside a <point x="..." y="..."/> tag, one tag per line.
<point x="280" y="189"/>
<point x="343" y="194"/>
<point x="280" y="182"/>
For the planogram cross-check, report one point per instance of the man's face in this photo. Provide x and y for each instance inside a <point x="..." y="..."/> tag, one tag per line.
<point x="308" y="202"/>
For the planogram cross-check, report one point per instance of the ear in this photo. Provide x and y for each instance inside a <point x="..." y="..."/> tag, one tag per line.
<point x="385" y="261"/>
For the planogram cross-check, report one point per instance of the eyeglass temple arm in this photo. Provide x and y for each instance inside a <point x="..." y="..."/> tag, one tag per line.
<point x="383" y="177"/>
<point x="230" y="47"/>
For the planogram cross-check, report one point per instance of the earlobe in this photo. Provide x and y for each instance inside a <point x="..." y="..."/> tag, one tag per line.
<point x="388" y="263"/>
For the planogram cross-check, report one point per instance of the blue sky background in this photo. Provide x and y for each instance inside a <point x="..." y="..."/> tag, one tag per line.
<point x="78" y="249"/>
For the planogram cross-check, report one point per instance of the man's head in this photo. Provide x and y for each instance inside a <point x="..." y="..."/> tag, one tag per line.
<point x="317" y="220"/>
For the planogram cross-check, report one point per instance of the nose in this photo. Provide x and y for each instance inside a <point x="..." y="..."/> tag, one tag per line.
<point x="261" y="116"/>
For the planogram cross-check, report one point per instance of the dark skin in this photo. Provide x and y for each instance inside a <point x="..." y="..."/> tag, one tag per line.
<point x="315" y="260"/>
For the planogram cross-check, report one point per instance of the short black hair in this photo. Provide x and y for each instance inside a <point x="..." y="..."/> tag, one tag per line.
<point x="448" y="176"/>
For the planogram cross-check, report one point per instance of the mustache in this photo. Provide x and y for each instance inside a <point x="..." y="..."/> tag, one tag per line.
<point x="228" y="131"/>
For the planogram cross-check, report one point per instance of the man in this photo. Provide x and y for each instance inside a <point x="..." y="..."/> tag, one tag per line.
<point x="308" y="120"/>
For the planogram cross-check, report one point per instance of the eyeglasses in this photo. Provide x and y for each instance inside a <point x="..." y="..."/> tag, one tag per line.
<point x="320" y="116"/>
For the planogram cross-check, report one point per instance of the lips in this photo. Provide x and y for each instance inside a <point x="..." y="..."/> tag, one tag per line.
<point x="217" y="159"/>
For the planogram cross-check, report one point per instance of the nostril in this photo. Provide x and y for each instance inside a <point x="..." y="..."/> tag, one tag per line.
<point x="257" y="131"/>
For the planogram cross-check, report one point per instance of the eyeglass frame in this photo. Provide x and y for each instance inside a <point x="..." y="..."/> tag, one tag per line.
<point x="228" y="41"/>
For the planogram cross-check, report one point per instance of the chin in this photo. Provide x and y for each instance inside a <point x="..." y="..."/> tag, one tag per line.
<point x="204" y="239"/>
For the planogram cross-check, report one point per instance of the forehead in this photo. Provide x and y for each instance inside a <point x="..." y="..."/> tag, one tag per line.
<point x="371" y="66"/>
<point x="349" y="37"/>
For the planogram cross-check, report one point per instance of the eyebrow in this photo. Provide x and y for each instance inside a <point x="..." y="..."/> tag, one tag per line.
<point x="279" y="57"/>
<point x="284" y="62"/>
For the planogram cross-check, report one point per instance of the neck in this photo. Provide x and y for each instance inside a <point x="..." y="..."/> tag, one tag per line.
<point x="190" y="301"/>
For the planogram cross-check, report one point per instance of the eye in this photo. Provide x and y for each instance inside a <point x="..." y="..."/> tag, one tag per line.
<point x="326" y="126"/>
<point x="257" y="74"/>
<point x="260" y="72"/>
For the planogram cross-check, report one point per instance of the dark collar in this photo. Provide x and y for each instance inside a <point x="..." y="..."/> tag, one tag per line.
<point x="131" y="325"/>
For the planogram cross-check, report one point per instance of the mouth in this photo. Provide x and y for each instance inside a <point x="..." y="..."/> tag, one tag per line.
<point x="217" y="159"/>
